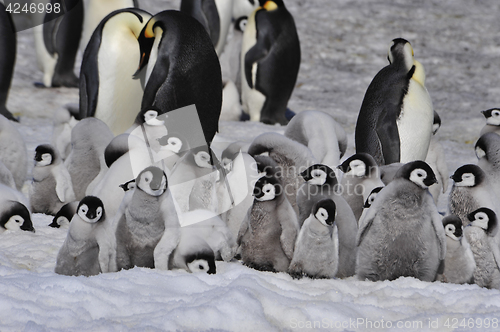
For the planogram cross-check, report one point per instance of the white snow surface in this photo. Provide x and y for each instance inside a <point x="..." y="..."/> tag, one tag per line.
<point x="344" y="44"/>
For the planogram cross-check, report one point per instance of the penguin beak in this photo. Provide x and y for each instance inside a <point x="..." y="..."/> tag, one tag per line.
<point x="146" y="41"/>
<point x="28" y="226"/>
<point x="484" y="113"/>
<point x="430" y="182"/>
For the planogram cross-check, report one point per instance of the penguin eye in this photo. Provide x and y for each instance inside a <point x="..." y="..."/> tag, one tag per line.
<point x="495" y="113"/>
<point x="200" y="267"/>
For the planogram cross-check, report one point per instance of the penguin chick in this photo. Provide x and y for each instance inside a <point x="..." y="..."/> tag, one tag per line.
<point x="192" y="254"/>
<point x="361" y="176"/>
<point x="14" y="216"/>
<point x="481" y="235"/>
<point x="316" y="253"/>
<point x="268" y="233"/>
<point x="147" y="219"/>
<point x="459" y="264"/>
<point x="488" y="154"/>
<point x="64" y="215"/>
<point x="470" y="191"/>
<point x="80" y="252"/>
<point x="51" y="187"/>
<point x="492" y="121"/>
<point x="402" y="233"/>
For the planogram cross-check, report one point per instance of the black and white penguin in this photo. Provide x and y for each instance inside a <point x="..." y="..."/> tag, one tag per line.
<point x="270" y="61"/>
<point x="482" y="234"/>
<point x="402" y="233"/>
<point x="316" y="253"/>
<point x="470" y="191"/>
<point x="51" y="187"/>
<point x="82" y="251"/>
<point x="182" y="68"/>
<point x="395" y="120"/>
<point x="488" y="154"/>
<point x="192" y="254"/>
<point x="459" y="263"/>
<point x="108" y="90"/>
<point x="64" y="215"/>
<point x="492" y="116"/>
<point x="13" y="152"/>
<point x="14" y="216"/>
<point x="8" y="50"/>
<point x="321" y="134"/>
<point x="61" y="39"/>
<point x="148" y="219"/>
<point x="267" y="235"/>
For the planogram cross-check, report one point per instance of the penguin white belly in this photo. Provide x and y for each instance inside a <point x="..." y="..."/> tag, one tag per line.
<point x="153" y="56"/>
<point x="46" y="62"/>
<point x="415" y="123"/>
<point x="120" y="96"/>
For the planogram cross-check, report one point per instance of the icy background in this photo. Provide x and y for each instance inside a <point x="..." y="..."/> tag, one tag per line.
<point x="344" y="44"/>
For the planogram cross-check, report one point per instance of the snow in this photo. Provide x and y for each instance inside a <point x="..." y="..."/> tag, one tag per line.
<point x="344" y="44"/>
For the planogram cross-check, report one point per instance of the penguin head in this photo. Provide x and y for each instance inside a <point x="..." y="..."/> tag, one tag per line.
<point x="16" y="216"/>
<point x="418" y="172"/>
<point x="64" y="215"/>
<point x="468" y="176"/>
<point x="152" y="180"/>
<point x="487" y="146"/>
<point x="267" y="188"/>
<point x="202" y="158"/>
<point x="371" y="198"/>
<point x="484" y="218"/>
<point x="241" y="23"/>
<point x="401" y="54"/>
<point x="318" y="174"/>
<point x="492" y="116"/>
<point x="359" y="165"/>
<point x="171" y="142"/>
<point x="271" y="5"/>
<point x="201" y="262"/>
<point x="130" y="185"/>
<point x="436" y="124"/>
<point x="91" y="209"/>
<point x="44" y="155"/>
<point x="325" y="211"/>
<point x="146" y="41"/>
<point x="453" y="227"/>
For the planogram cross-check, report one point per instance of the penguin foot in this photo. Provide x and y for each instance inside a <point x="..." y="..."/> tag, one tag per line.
<point x="69" y="81"/>
<point x="39" y="85"/>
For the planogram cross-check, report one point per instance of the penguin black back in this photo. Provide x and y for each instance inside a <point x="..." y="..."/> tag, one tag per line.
<point x="205" y="11"/>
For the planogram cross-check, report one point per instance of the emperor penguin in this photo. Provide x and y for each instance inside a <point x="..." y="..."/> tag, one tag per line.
<point x="8" y="50"/>
<point x="482" y="234"/>
<point x="321" y="134"/>
<point x="182" y="68"/>
<point x="292" y="158"/>
<point x="267" y="235"/>
<point x="214" y="15"/>
<point x="492" y="116"/>
<point x="14" y="216"/>
<point x="270" y="61"/>
<point x="395" y="120"/>
<point x="64" y="215"/>
<point x="436" y="159"/>
<point x="108" y="90"/>
<point x="488" y="154"/>
<point x="316" y="253"/>
<point x="51" y="187"/>
<point x="361" y="176"/>
<point x="459" y="263"/>
<point x="13" y="152"/>
<point x="57" y="42"/>
<point x="96" y="11"/>
<point x="402" y="234"/>
<point x="147" y="229"/>
<point x="470" y="191"/>
<point x="89" y="139"/>
<point x="82" y="251"/>
<point x="192" y="254"/>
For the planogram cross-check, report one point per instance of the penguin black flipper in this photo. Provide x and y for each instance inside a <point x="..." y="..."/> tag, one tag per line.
<point x="255" y="54"/>
<point x="388" y="136"/>
<point x="8" y="45"/>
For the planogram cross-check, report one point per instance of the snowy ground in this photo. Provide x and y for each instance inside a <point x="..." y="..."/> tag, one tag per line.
<point x="344" y="44"/>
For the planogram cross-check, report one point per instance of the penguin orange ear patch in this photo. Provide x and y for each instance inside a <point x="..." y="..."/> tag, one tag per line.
<point x="270" y="6"/>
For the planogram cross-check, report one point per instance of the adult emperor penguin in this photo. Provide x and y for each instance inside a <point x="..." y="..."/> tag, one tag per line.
<point x="270" y="61"/>
<point x="82" y="252"/>
<point x="482" y="237"/>
<point x="108" y="90"/>
<point x="214" y="15"/>
<point x="14" y="216"/>
<point x="436" y="159"/>
<point x="13" y="152"/>
<point x="459" y="264"/>
<point x="492" y="116"/>
<point x="488" y="154"/>
<point x="470" y="191"/>
<point x="268" y="233"/>
<point x="8" y="49"/>
<point x="96" y="11"/>
<point x="89" y="139"/>
<point x="182" y="68"/>
<point x="402" y="234"/>
<point x="361" y="176"/>
<point x="192" y="254"/>
<point x="51" y="187"/>
<point x="395" y="120"/>
<point x="149" y="218"/>
<point x="316" y="253"/>
<point x="321" y="134"/>
<point x="57" y="43"/>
